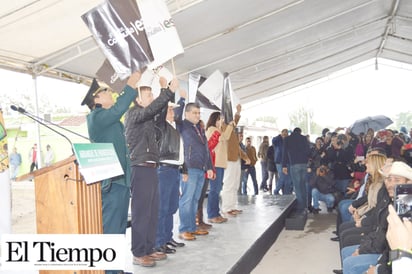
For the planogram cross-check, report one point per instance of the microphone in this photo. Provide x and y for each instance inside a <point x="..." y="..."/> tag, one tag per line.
<point x="23" y="111"/>
<point x="18" y="109"/>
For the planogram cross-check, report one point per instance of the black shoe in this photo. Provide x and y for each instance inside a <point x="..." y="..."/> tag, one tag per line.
<point x="335" y="232"/>
<point x="316" y="210"/>
<point x="335" y="239"/>
<point x="337" y="271"/>
<point x="173" y="243"/>
<point x="166" y="249"/>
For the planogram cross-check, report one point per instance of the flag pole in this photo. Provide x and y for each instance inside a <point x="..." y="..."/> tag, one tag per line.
<point x="138" y="92"/>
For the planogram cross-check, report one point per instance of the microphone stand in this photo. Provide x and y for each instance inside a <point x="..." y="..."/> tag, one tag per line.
<point x="38" y="119"/>
<point x="52" y="129"/>
<point x="22" y="111"/>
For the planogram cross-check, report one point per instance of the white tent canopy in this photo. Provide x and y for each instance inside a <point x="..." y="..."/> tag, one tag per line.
<point x="266" y="46"/>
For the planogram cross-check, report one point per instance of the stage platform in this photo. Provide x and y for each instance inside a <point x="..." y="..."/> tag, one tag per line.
<point x="235" y="247"/>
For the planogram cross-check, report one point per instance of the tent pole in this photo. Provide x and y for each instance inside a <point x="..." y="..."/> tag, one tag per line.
<point x="36" y="106"/>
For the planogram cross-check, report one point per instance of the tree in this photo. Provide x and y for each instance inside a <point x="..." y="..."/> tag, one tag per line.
<point x="403" y="119"/>
<point x="300" y="118"/>
<point x="267" y="119"/>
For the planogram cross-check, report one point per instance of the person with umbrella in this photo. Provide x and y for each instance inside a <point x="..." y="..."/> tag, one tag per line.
<point x="371" y="122"/>
<point x="390" y="143"/>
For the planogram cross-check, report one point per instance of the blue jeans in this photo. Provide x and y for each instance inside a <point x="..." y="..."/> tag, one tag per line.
<point x="283" y="183"/>
<point x="214" y="192"/>
<point x="252" y="172"/>
<point x="191" y="191"/>
<point x="265" y="174"/>
<point x="329" y="199"/>
<point x="169" y="178"/>
<point x="343" y="207"/>
<point x="342" y="185"/>
<point x="14" y="170"/>
<point x="357" y="264"/>
<point x="298" y="176"/>
<point x="309" y="176"/>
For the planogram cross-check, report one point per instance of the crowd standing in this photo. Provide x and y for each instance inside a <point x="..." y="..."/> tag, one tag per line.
<point x="16" y="160"/>
<point x="170" y="159"/>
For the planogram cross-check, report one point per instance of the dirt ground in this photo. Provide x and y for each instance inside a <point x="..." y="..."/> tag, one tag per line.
<point x="23" y="207"/>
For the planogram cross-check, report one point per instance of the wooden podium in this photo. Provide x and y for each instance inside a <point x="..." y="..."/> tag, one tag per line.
<point x="65" y="204"/>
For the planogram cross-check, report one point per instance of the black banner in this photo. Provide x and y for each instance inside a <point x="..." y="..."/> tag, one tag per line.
<point x="227" y="110"/>
<point x="118" y="29"/>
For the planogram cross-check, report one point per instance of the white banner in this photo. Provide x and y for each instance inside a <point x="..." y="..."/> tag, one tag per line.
<point x="212" y="88"/>
<point x="97" y="161"/>
<point x="151" y="77"/>
<point x="160" y="30"/>
<point x="194" y="79"/>
<point x="63" y="251"/>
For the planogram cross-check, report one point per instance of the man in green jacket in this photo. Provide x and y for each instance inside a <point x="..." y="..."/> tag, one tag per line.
<point x="104" y="126"/>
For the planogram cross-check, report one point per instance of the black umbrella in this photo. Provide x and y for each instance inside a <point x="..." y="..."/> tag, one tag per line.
<point x="374" y="122"/>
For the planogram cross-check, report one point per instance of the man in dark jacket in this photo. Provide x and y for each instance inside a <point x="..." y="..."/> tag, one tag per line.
<point x="338" y="157"/>
<point x="296" y="155"/>
<point x="262" y="154"/>
<point x="198" y="161"/>
<point x="142" y="137"/>
<point x="271" y="167"/>
<point x="323" y="187"/>
<point x="250" y="168"/>
<point x="283" y="183"/>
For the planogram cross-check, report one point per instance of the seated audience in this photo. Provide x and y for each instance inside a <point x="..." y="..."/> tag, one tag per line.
<point x="323" y="187"/>
<point x="358" y="258"/>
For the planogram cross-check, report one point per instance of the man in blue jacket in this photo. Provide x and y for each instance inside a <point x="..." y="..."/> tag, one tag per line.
<point x="198" y="161"/>
<point x="283" y="183"/>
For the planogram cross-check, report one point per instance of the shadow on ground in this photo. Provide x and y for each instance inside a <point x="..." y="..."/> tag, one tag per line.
<point x="320" y="222"/>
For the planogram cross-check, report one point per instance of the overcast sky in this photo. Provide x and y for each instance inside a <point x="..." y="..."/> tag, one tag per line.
<point x="57" y="91"/>
<point x="345" y="96"/>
